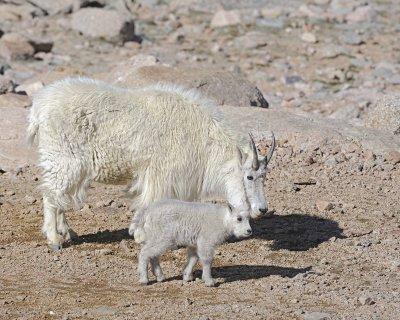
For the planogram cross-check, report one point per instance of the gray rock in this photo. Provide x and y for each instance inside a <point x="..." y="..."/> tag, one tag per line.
<point x="365" y="300"/>
<point x="292" y="79"/>
<point x="332" y="51"/>
<point x="54" y="6"/>
<point x="352" y="38"/>
<point x="6" y="84"/>
<point x="4" y="67"/>
<point x="224" y="87"/>
<point x="361" y="14"/>
<point x="385" y="115"/>
<point x="394" y="79"/>
<point x="105" y="24"/>
<point x="251" y="40"/>
<point x="316" y="316"/>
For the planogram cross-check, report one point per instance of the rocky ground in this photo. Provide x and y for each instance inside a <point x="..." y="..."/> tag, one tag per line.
<point x="328" y="71"/>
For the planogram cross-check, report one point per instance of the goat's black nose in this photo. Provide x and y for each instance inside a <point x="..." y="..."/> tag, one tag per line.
<point x="249" y="231"/>
<point x="263" y="210"/>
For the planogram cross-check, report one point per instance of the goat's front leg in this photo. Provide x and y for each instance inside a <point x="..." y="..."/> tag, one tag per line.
<point x="192" y="260"/>
<point x="206" y="255"/>
<point x="142" y="266"/>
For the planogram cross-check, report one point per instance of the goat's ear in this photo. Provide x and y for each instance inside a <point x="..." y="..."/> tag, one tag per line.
<point x="242" y="158"/>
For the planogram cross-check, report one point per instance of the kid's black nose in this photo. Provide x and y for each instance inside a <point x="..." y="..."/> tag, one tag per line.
<point x="249" y="231"/>
<point x="263" y="210"/>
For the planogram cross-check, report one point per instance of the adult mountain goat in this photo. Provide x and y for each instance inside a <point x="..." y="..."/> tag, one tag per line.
<point x="164" y="140"/>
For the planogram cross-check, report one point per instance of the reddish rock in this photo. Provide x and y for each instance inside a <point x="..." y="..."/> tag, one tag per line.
<point x="14" y="46"/>
<point x="223" y="18"/>
<point x="393" y="157"/>
<point x="14" y="100"/>
<point x="323" y="205"/>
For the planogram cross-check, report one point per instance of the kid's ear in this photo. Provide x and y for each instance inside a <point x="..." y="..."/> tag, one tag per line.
<point x="230" y="208"/>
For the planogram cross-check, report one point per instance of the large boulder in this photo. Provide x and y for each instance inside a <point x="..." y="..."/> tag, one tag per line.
<point x="54" y="6"/>
<point x="222" y="86"/>
<point x="105" y="24"/>
<point x="385" y="115"/>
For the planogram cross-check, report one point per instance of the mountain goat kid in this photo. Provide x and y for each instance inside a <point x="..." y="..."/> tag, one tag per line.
<point x="164" y="140"/>
<point x="170" y="224"/>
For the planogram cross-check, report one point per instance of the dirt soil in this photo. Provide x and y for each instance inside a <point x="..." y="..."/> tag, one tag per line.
<point x="343" y="262"/>
<point x="332" y="248"/>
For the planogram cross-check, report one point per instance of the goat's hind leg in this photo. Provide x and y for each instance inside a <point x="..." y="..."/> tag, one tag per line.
<point x="156" y="269"/>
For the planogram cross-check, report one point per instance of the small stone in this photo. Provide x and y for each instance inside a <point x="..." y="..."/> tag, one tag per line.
<point x="30" y="199"/>
<point x="323" y="206"/>
<point x="361" y="14"/>
<point x="352" y="38"/>
<point x="366" y="301"/>
<point x="223" y="18"/>
<point x="10" y="193"/>
<point x="271" y="13"/>
<point x="6" y="84"/>
<point x="29" y="88"/>
<point x="331" y="161"/>
<point x="14" y="46"/>
<point x="309" y="37"/>
<point x="316" y="316"/>
<point x="393" y="157"/>
<point x="14" y="100"/>
<point x="21" y="297"/>
<point x="105" y="24"/>
<point x="103" y="252"/>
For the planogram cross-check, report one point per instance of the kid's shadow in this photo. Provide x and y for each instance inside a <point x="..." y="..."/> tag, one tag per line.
<point x="249" y="272"/>
<point x="296" y="232"/>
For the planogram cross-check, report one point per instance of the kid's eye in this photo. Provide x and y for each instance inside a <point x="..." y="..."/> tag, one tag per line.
<point x="239" y="219"/>
<point x="250" y="177"/>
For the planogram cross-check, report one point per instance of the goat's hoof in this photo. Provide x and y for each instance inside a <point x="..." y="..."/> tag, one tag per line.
<point x="56" y="247"/>
<point x="71" y="235"/>
<point x="160" y="279"/>
<point x="143" y="282"/>
<point x="210" y="283"/>
<point x="188" y="278"/>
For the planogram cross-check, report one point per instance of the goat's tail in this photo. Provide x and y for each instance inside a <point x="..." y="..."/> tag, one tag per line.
<point x="136" y="228"/>
<point x="33" y="123"/>
<point x="33" y="128"/>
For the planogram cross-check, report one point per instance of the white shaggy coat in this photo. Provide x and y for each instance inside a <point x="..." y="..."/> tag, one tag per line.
<point x="165" y="141"/>
<point x="200" y="227"/>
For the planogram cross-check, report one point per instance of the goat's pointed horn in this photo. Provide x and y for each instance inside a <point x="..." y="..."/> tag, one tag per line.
<point x="271" y="150"/>
<point x="256" y="163"/>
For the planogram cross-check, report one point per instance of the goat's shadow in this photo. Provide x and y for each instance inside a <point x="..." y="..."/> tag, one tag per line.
<point x="294" y="232"/>
<point x="105" y="236"/>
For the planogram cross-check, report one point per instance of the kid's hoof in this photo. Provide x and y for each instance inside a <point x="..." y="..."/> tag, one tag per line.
<point x="56" y="247"/>
<point x="160" y="279"/>
<point x="188" y="278"/>
<point x="210" y="283"/>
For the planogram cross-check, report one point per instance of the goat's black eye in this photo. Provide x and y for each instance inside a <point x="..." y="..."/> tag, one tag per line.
<point x="250" y="177"/>
<point x="239" y="219"/>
